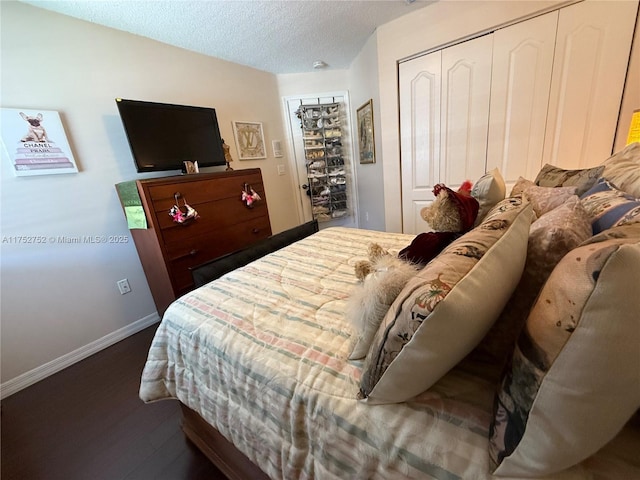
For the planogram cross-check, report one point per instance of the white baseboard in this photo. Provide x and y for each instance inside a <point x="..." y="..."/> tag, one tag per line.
<point x="54" y="366"/>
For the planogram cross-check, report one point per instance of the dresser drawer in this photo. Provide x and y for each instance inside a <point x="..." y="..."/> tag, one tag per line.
<point x="200" y="191"/>
<point x="213" y="216"/>
<point x="192" y="251"/>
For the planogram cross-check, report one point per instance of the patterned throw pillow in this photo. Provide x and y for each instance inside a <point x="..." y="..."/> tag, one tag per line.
<point x="623" y="169"/>
<point x="583" y="179"/>
<point x="520" y="186"/>
<point x="572" y="382"/>
<point x="609" y="207"/>
<point x="446" y="309"/>
<point x="545" y="199"/>
<point x="488" y="190"/>
<point x="551" y="237"/>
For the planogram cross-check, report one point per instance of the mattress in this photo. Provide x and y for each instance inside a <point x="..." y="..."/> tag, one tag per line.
<point x="261" y="354"/>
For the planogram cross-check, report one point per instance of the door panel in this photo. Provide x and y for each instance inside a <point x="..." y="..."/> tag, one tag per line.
<point x="444" y="111"/>
<point x="299" y="161"/>
<point x="420" y="136"/>
<point x="520" y="85"/>
<point x="466" y="87"/>
<point x="592" y="51"/>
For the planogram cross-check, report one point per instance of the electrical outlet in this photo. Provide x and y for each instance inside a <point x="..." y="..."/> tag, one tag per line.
<point x="123" y="286"/>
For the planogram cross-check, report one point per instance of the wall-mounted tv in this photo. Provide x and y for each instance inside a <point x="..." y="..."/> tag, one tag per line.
<point x="163" y="136"/>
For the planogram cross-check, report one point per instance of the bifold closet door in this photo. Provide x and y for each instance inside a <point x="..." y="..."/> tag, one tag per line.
<point x="444" y="110"/>
<point x="419" y="136"/>
<point x="590" y="65"/>
<point x="466" y="89"/>
<point x="520" y="86"/>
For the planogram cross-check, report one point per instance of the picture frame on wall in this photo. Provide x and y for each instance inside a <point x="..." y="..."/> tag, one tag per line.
<point x="35" y="143"/>
<point x="249" y="138"/>
<point x="366" y="138"/>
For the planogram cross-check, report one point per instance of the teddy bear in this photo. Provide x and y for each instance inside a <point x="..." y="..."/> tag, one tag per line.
<point x="384" y="275"/>
<point x="450" y="215"/>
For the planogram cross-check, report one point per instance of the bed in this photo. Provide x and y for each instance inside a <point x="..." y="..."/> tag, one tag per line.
<point x="258" y="360"/>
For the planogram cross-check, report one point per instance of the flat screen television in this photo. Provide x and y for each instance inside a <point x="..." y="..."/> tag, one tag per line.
<point x="163" y="136"/>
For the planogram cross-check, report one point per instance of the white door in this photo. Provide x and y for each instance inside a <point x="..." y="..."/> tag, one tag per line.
<point x="444" y="110"/>
<point x="520" y="86"/>
<point x="298" y="163"/>
<point x="466" y="89"/>
<point x="592" y="52"/>
<point x="419" y="136"/>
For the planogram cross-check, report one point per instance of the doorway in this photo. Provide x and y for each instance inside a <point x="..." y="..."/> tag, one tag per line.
<point x="319" y="131"/>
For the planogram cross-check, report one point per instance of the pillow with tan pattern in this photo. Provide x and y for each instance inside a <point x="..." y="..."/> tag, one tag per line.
<point x="572" y="382"/>
<point x="545" y="199"/>
<point x="623" y="169"/>
<point x="551" y="237"/>
<point x="446" y="308"/>
<point x="583" y="179"/>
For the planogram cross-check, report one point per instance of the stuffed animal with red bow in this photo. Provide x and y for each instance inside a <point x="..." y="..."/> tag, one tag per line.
<point x="451" y="214"/>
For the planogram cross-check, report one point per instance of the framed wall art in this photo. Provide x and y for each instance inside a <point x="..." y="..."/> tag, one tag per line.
<point x="249" y="140"/>
<point x="366" y="140"/>
<point x="35" y="142"/>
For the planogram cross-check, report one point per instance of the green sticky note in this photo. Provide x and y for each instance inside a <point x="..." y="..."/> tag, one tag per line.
<point x="135" y="217"/>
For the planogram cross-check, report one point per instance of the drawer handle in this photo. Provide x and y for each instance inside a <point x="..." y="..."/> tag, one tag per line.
<point x="190" y="254"/>
<point x="255" y="231"/>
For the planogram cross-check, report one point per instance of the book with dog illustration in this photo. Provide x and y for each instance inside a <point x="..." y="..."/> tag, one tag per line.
<point x="35" y="142"/>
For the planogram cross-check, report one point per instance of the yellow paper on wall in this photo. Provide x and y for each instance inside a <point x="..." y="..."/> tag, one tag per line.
<point x="634" y="128"/>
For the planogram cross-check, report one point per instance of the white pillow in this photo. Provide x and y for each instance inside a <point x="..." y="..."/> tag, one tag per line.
<point x="574" y="378"/>
<point x="448" y="307"/>
<point x="488" y="190"/>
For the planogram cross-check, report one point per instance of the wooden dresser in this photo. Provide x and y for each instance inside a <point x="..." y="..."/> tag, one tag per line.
<point x="226" y="224"/>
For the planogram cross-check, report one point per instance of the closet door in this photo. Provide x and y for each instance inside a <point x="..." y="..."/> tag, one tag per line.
<point x="520" y="86"/>
<point x="444" y="110"/>
<point x="420" y="136"/>
<point x="466" y="88"/>
<point x="592" y="52"/>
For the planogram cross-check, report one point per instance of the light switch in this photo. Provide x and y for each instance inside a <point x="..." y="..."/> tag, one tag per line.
<point x="277" y="149"/>
<point x="281" y="169"/>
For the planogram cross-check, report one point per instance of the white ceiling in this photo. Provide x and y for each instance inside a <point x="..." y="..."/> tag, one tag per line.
<point x="278" y="36"/>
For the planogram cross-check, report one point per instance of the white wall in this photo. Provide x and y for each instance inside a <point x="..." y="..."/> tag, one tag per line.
<point x="58" y="300"/>
<point x="363" y="85"/>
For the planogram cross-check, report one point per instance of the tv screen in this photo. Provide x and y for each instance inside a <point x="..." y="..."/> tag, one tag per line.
<point x="163" y="136"/>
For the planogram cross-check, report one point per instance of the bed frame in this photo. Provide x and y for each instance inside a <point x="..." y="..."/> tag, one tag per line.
<point x="222" y="453"/>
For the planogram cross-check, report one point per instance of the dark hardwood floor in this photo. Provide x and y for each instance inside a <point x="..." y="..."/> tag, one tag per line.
<point x="87" y="422"/>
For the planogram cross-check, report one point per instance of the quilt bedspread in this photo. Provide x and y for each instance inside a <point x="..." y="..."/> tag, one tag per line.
<point x="261" y="354"/>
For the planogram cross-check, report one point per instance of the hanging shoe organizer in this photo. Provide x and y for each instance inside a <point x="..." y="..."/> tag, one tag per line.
<point x="326" y="174"/>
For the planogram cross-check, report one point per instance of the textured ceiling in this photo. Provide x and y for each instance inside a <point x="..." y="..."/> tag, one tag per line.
<point x="278" y="36"/>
